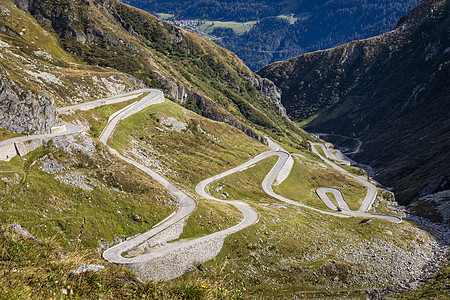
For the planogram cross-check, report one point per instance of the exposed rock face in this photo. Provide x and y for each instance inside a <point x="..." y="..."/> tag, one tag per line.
<point x="175" y="92"/>
<point x="269" y="90"/>
<point x="24" y="4"/>
<point x="22" y="111"/>
<point x="208" y="108"/>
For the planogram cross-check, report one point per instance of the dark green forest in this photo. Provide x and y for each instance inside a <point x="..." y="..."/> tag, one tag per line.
<point x="223" y="10"/>
<point x="317" y="24"/>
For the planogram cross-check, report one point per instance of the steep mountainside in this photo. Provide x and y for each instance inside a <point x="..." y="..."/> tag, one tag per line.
<point x="192" y="70"/>
<point x="284" y="28"/>
<point x="392" y="91"/>
<point x="139" y="163"/>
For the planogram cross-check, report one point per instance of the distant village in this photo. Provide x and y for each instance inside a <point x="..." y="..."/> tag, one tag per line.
<point x="183" y="23"/>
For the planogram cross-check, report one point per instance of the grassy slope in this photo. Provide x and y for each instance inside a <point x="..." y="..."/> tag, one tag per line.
<point x="191" y="155"/>
<point x="41" y="270"/>
<point x="6" y="134"/>
<point x="306" y="177"/>
<point x="188" y="157"/>
<point x="210" y="217"/>
<point x="310" y="233"/>
<point x="31" y="31"/>
<point x="320" y="150"/>
<point x="237" y="27"/>
<point x="202" y="65"/>
<point x="116" y="207"/>
<point x="181" y="56"/>
<point x="300" y="186"/>
<point x="291" y="250"/>
<point x="244" y="185"/>
<point x="68" y="217"/>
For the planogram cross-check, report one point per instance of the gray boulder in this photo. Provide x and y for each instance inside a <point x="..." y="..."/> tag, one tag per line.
<point x="86" y="268"/>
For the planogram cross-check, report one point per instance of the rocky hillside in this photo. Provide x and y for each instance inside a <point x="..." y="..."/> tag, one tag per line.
<point x="73" y="39"/>
<point x="36" y="74"/>
<point x="391" y="91"/>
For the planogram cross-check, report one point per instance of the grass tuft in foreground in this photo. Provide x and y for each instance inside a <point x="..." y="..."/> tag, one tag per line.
<point x="40" y="269"/>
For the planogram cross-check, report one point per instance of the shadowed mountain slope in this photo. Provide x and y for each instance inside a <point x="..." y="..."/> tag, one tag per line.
<point x="392" y="91"/>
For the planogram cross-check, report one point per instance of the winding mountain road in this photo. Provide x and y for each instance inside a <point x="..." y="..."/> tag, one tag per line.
<point x="186" y="204"/>
<point x="162" y="261"/>
<point x="281" y="163"/>
<point x="368" y="199"/>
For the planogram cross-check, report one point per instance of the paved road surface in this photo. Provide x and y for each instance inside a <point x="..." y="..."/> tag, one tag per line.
<point x="155" y="97"/>
<point x="369" y="198"/>
<point x="101" y="102"/>
<point x="70" y="129"/>
<point x="322" y="193"/>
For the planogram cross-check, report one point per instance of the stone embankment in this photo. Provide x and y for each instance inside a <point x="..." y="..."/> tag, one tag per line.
<point x="23" y="111"/>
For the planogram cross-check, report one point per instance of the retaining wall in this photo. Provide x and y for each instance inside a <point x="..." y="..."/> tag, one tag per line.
<point x="175" y="263"/>
<point x="7" y="151"/>
<point x="58" y="129"/>
<point x="25" y="147"/>
<point x="21" y="148"/>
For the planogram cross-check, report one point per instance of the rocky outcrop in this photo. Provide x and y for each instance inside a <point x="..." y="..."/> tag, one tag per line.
<point x="23" y="111"/>
<point x="18" y="229"/>
<point x="24" y="4"/>
<point x="86" y="268"/>
<point x="269" y="90"/>
<point x="66" y="20"/>
<point x="175" y="92"/>
<point x="208" y="108"/>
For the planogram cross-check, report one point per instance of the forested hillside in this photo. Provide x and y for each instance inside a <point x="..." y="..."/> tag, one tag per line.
<point x="391" y="91"/>
<point x="286" y="28"/>
<point x="225" y="10"/>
